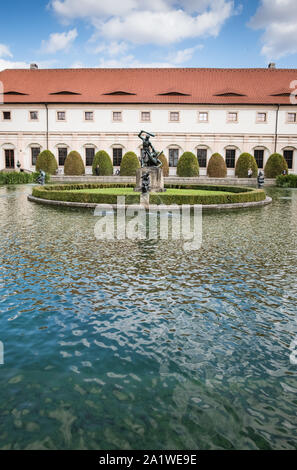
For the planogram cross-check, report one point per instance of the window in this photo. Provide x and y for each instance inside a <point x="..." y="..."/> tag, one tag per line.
<point x="291" y="117"/>
<point x="90" y="153"/>
<point x="145" y="116"/>
<point x="117" y="115"/>
<point x="62" y="156"/>
<point x="288" y="156"/>
<point x="117" y="156"/>
<point x="174" y="116"/>
<point x="259" y="157"/>
<point x="202" y="157"/>
<point x="173" y="157"/>
<point x="34" y="115"/>
<point x="203" y="116"/>
<point x="230" y="158"/>
<point x="89" y="116"/>
<point x="6" y="115"/>
<point x="232" y="117"/>
<point x="61" y="116"/>
<point x="261" y="117"/>
<point x="35" y="151"/>
<point x="9" y="158"/>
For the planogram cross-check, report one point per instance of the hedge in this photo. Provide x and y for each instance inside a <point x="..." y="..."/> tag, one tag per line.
<point x="187" y="165"/>
<point x="46" y="162"/>
<point x="129" y="164"/>
<point x="247" y="196"/>
<point x="286" y="181"/>
<point x="275" y="166"/>
<point x="244" y="163"/>
<point x="103" y="160"/>
<point x="74" y="164"/>
<point x="216" y="167"/>
<point x="16" y="177"/>
<point x="165" y="166"/>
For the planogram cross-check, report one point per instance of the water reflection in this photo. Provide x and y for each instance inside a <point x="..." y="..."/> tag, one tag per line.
<point x="138" y="344"/>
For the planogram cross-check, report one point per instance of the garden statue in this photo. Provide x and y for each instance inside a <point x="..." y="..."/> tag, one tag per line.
<point x="260" y="179"/>
<point x="145" y="185"/>
<point x="150" y="156"/>
<point x="41" y="178"/>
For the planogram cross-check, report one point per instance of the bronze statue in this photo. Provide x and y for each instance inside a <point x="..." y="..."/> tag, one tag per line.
<point x="150" y="155"/>
<point x="145" y="185"/>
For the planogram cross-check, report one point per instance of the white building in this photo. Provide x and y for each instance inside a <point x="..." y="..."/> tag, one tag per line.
<point x="229" y="111"/>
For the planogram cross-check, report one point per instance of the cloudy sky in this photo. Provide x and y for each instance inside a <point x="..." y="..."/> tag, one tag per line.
<point x="153" y="33"/>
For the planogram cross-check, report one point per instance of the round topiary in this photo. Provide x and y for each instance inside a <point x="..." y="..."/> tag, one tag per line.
<point x="245" y="162"/>
<point x="74" y="164"/>
<point x="165" y="166"/>
<point x="216" y="167"/>
<point x="46" y="162"/>
<point x="129" y="164"/>
<point x="104" y="163"/>
<point x="187" y="165"/>
<point x="275" y="165"/>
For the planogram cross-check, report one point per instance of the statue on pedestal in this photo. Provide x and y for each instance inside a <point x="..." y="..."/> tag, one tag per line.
<point x="150" y="155"/>
<point x="145" y="185"/>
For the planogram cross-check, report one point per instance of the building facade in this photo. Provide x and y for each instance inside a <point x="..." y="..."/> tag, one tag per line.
<point x="199" y="110"/>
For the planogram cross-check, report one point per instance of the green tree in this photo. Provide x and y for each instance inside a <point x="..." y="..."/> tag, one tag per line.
<point x="216" y="167"/>
<point x="244" y="163"/>
<point x="129" y="164"/>
<point x="103" y="161"/>
<point x="275" y="166"/>
<point x="165" y="166"/>
<point x="74" y="164"/>
<point x="187" y="165"/>
<point x="46" y="162"/>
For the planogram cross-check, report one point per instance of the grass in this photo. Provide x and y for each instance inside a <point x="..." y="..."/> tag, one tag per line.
<point x="125" y="191"/>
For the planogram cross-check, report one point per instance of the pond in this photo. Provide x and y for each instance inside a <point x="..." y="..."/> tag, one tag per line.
<point x="141" y="345"/>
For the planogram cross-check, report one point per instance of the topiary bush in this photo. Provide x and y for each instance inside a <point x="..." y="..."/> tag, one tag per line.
<point x="244" y="163"/>
<point x="275" y="165"/>
<point x="165" y="166"/>
<point x="216" y="167"/>
<point x="187" y="165"/>
<point x="46" y="162"/>
<point x="103" y="160"/>
<point x="286" y="181"/>
<point x="129" y="164"/>
<point x="74" y="164"/>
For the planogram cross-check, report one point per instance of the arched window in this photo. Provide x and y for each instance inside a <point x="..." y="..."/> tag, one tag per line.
<point x="202" y="156"/>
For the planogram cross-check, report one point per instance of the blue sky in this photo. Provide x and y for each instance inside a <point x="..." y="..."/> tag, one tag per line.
<point x="129" y="33"/>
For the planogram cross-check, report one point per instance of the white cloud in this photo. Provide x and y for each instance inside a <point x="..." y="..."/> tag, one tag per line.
<point x="157" y="22"/>
<point x="183" y="55"/>
<point x="4" y="51"/>
<point x="129" y="61"/>
<point x="9" y="64"/>
<point x="278" y="19"/>
<point x="58" y="42"/>
<point x="113" y="48"/>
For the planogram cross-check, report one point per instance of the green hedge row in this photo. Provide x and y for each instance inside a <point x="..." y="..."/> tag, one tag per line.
<point x="286" y="181"/>
<point x="68" y="196"/>
<point x="248" y="196"/>
<point x="16" y="177"/>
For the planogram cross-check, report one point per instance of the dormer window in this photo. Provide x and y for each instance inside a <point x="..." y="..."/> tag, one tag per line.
<point x="119" y="93"/>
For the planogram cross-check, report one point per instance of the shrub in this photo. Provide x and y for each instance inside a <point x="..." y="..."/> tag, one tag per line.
<point x="216" y="167"/>
<point x="275" y="165"/>
<point x="46" y="161"/>
<point x="187" y="165"/>
<point x="16" y="177"/>
<point x="165" y="166"/>
<point x="255" y="195"/>
<point x="244" y="163"/>
<point x="129" y="164"/>
<point x="286" y="181"/>
<point x="74" y="164"/>
<point x="103" y="160"/>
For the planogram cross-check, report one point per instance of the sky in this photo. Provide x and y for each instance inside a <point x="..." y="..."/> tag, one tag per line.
<point x="148" y="33"/>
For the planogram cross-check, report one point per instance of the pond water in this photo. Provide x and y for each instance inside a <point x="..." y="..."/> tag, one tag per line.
<point x="141" y="345"/>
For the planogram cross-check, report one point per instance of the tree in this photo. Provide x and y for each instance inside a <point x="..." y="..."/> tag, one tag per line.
<point x="244" y="163"/>
<point x="103" y="160"/>
<point x="129" y="164"/>
<point x="74" y="164"/>
<point x="46" y="162"/>
<point x="187" y="165"/>
<point x="275" y="166"/>
<point x="216" y="167"/>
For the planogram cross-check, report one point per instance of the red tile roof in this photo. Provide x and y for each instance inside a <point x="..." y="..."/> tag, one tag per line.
<point x="164" y="85"/>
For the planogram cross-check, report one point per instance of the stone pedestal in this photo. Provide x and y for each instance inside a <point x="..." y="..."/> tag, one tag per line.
<point x="156" y="179"/>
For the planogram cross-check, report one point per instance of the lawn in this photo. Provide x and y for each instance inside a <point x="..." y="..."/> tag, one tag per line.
<point x="125" y="191"/>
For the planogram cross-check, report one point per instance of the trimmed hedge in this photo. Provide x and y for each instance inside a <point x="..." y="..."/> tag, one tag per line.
<point x="187" y="165"/>
<point x="275" y="166"/>
<point x="63" y="193"/>
<point x="216" y="167"/>
<point x="74" y="165"/>
<point x="286" y="181"/>
<point x="16" y="177"/>
<point x="129" y="164"/>
<point x="46" y="162"/>
<point x="103" y="160"/>
<point x="244" y="163"/>
<point x="165" y="166"/>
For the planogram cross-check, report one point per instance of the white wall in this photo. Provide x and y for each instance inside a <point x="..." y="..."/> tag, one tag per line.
<point x="20" y="133"/>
